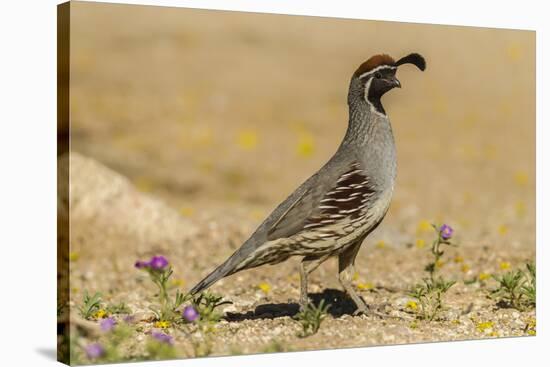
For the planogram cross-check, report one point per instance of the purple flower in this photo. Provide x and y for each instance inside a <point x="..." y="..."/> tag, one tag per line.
<point x="190" y="313"/>
<point x="94" y="351"/>
<point x="107" y="324"/>
<point x="140" y="264"/>
<point x="162" y="337"/>
<point x="446" y="232"/>
<point x="158" y="262"/>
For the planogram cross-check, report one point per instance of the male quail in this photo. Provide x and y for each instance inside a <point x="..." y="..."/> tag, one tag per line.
<point x="333" y="211"/>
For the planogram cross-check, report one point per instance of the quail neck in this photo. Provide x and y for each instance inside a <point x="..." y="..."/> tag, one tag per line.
<point x="369" y="135"/>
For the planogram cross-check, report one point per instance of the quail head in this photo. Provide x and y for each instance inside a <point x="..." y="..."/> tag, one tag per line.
<point x="332" y="212"/>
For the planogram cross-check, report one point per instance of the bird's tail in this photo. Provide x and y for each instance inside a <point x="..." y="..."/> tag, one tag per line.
<point x="227" y="268"/>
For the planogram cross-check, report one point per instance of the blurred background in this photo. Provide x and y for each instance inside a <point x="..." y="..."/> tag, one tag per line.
<point x="221" y="115"/>
<point x="223" y="112"/>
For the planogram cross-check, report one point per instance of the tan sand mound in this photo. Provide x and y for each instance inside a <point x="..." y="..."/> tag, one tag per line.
<point x="106" y="206"/>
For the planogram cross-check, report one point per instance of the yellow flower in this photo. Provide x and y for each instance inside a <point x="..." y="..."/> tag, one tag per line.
<point x="187" y="211"/>
<point x="247" y="140"/>
<point x="456" y="322"/>
<point x="514" y="52"/>
<point x="465" y="268"/>
<point x="502" y="230"/>
<point x="355" y="275"/>
<point x="521" y="178"/>
<point x="412" y="305"/>
<point x="484" y="326"/>
<point x="439" y="264"/>
<point x="413" y="325"/>
<point x="424" y="226"/>
<point x="365" y="286"/>
<point x="420" y="243"/>
<point x="531" y="326"/>
<point x="75" y="289"/>
<point x="458" y="259"/>
<point x="100" y="314"/>
<point x="162" y="324"/>
<point x="264" y="287"/>
<point x="73" y="256"/>
<point x="504" y="265"/>
<point x="306" y="145"/>
<point x="484" y="276"/>
<point x="380" y="244"/>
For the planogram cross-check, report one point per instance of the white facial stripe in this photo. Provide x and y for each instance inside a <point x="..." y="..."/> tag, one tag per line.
<point x="376" y="69"/>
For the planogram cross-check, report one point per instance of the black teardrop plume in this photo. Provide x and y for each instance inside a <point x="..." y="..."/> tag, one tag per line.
<point x="415" y="59"/>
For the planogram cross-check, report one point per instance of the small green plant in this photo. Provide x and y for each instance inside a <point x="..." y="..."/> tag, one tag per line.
<point x="311" y="317"/>
<point x="529" y="287"/>
<point x="430" y="296"/>
<point x="202" y="314"/>
<point x="160" y="272"/>
<point x="196" y="320"/>
<point x="516" y="288"/>
<point x="444" y="235"/>
<point x="431" y="291"/>
<point x="206" y="304"/>
<point x="90" y="305"/>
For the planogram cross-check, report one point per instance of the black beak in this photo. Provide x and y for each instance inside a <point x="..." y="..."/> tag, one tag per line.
<point x="395" y="83"/>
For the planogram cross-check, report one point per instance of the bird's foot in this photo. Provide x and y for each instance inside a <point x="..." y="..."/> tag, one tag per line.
<point x="361" y="311"/>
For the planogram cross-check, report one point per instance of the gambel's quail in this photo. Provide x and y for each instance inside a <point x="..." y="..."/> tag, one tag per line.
<point x="333" y="211"/>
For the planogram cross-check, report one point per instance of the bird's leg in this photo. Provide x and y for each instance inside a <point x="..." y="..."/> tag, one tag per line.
<point x="304" y="299"/>
<point x="308" y="264"/>
<point x="346" y="260"/>
<point x="346" y="270"/>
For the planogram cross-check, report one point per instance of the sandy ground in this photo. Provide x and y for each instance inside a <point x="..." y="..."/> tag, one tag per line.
<point x="261" y="320"/>
<point x="208" y="120"/>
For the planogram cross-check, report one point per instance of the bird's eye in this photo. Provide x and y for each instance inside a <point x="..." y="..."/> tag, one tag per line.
<point x="378" y="75"/>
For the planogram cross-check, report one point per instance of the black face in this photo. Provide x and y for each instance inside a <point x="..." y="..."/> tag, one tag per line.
<point x="382" y="81"/>
<point x="378" y="83"/>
